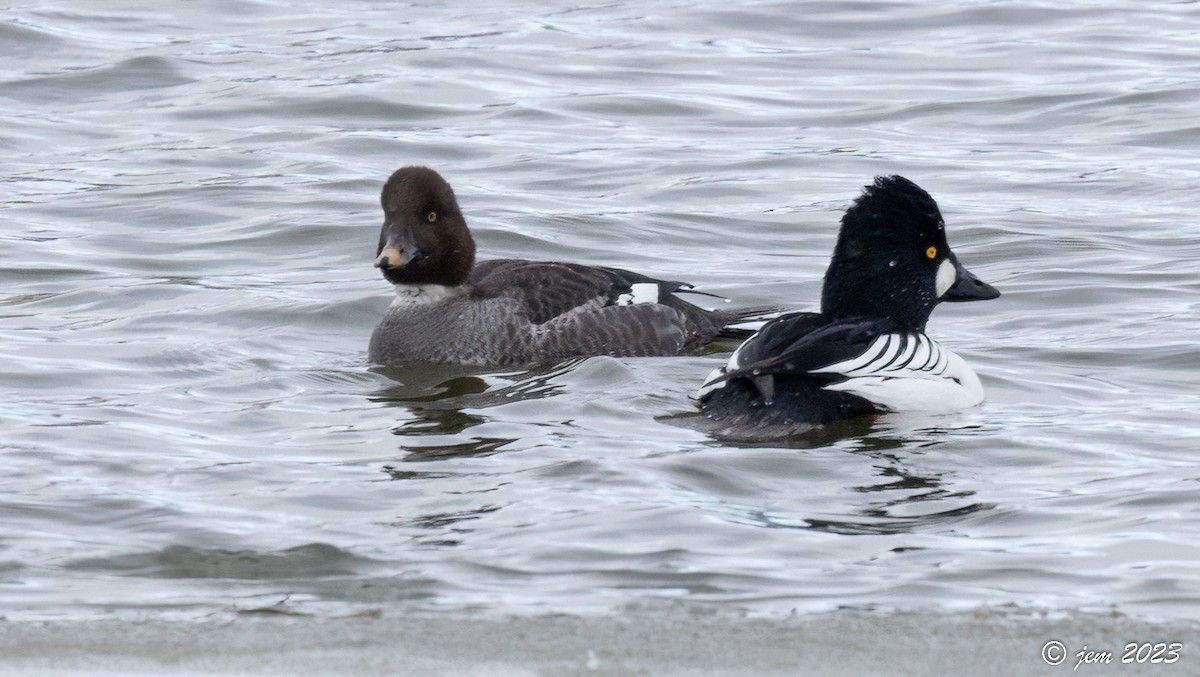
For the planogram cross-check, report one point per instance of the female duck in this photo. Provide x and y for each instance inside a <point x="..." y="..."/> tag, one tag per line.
<point x="448" y="308"/>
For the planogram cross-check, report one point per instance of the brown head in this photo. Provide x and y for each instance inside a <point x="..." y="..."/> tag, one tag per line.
<point x="424" y="239"/>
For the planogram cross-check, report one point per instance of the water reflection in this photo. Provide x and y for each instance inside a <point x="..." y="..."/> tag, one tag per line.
<point x="479" y="446"/>
<point x="461" y="387"/>
<point x="446" y="519"/>
<point x="448" y="525"/>
<point x="428" y="383"/>
<point x="428" y="421"/>
<point x="907" y="498"/>
<point x="445" y="400"/>
<point x="879" y="520"/>
<point x="807" y="437"/>
<point x="900" y="495"/>
<point x="440" y="528"/>
<point x="397" y="474"/>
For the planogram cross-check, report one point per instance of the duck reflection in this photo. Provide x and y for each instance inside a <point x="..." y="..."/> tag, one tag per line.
<point x="797" y="437"/>
<point x="901" y="496"/>
<point x="448" y="527"/>
<point x="478" y="446"/>
<point x="445" y="401"/>
<point x="903" y="503"/>
<point x="907" y="499"/>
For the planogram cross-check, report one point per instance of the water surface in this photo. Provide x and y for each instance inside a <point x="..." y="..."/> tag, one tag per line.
<point x="189" y="194"/>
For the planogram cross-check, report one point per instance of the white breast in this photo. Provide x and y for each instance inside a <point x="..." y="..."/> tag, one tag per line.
<point x="909" y="373"/>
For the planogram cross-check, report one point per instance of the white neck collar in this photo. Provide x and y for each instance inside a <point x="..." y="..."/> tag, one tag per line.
<point x="425" y="294"/>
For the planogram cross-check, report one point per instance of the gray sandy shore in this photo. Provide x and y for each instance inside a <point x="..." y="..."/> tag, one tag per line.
<point x="642" y="643"/>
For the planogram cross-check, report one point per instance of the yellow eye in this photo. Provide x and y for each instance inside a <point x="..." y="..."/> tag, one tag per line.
<point x="931" y="252"/>
<point x="431" y="216"/>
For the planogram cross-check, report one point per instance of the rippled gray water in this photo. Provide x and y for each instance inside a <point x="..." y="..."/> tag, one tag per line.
<point x="189" y="203"/>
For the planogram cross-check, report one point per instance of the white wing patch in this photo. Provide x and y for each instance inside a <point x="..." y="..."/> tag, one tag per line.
<point x="640" y="292"/>
<point x="908" y="372"/>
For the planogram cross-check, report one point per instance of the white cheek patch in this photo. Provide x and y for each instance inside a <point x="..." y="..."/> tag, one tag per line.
<point x="642" y="292"/>
<point x="947" y="274"/>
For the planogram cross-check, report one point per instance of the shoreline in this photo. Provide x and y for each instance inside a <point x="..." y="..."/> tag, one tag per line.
<point x="672" y="642"/>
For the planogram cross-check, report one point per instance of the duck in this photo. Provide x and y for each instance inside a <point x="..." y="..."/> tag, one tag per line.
<point x="451" y="309"/>
<point x="866" y="352"/>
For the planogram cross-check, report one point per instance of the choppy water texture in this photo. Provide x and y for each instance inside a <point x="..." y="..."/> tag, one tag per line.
<point x="189" y="199"/>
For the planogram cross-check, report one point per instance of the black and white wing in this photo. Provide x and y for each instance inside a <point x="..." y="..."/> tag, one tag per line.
<point x="894" y="369"/>
<point x="797" y="344"/>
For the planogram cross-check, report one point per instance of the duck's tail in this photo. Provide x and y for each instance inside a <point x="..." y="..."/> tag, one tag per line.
<point x="742" y="323"/>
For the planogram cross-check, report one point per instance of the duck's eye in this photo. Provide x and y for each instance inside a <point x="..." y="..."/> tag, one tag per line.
<point x="431" y="216"/>
<point x="930" y="253"/>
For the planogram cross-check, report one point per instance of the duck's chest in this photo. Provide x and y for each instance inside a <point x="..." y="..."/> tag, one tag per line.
<point x="458" y="330"/>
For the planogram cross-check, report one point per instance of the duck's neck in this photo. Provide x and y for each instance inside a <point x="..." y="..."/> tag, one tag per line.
<point x="409" y="295"/>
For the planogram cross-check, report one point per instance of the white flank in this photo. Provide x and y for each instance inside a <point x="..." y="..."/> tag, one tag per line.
<point x="947" y="275"/>
<point x="642" y="292"/>
<point x="909" y="373"/>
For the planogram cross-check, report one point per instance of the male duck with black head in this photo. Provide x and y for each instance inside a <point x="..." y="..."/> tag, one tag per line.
<point x="866" y="352"/>
<point x="451" y="309"/>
